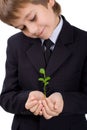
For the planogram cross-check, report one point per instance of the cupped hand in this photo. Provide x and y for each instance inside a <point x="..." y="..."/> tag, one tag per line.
<point x="34" y="102"/>
<point x="53" y="105"/>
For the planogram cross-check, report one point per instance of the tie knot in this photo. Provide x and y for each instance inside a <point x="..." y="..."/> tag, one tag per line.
<point x="48" y="43"/>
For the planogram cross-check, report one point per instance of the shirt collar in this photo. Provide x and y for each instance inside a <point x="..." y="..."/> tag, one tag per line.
<point x="56" y="31"/>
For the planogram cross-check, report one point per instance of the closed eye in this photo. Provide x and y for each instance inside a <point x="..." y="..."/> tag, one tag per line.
<point x="33" y="19"/>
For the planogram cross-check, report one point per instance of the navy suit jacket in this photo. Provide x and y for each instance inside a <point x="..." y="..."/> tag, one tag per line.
<point x="67" y="68"/>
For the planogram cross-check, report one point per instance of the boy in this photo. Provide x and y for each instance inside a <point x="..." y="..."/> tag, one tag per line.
<point x="22" y="94"/>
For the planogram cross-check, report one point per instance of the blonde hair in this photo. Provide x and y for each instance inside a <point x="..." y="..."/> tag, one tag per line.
<point x="9" y="8"/>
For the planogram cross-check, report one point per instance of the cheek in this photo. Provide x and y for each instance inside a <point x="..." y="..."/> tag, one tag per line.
<point x="42" y="19"/>
<point x="45" y="20"/>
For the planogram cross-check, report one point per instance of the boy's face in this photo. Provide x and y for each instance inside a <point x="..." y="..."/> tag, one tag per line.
<point x="36" y="21"/>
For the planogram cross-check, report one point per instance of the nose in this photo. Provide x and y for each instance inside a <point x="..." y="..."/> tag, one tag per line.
<point x="32" y="28"/>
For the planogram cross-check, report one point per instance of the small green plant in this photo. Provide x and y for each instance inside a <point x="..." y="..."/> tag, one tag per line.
<point x="45" y="79"/>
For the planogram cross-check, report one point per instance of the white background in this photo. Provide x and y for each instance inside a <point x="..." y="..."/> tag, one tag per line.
<point x="75" y="12"/>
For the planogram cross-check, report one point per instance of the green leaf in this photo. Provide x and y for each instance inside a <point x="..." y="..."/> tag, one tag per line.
<point x="42" y="70"/>
<point x="46" y="83"/>
<point x="47" y="78"/>
<point x="41" y="79"/>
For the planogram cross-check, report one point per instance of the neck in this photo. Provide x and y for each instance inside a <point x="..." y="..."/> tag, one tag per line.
<point x="57" y="21"/>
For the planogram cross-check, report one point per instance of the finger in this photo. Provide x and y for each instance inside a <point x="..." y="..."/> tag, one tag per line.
<point x="40" y="113"/>
<point x="30" y="104"/>
<point x="38" y="110"/>
<point x="48" y="110"/>
<point x="34" y="108"/>
<point x="46" y="116"/>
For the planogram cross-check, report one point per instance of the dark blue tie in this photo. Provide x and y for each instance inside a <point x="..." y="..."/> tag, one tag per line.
<point x="47" y="53"/>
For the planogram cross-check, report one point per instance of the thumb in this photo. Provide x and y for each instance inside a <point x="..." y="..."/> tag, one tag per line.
<point x="56" y="105"/>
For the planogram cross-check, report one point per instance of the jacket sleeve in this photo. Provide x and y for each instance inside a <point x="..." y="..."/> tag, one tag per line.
<point x="76" y="102"/>
<point x="12" y="98"/>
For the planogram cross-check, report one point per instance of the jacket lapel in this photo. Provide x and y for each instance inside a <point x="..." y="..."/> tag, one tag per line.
<point x="35" y="55"/>
<point x="59" y="56"/>
<point x="61" y="51"/>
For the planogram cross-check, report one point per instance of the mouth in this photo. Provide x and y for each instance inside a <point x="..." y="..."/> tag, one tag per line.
<point x="41" y="33"/>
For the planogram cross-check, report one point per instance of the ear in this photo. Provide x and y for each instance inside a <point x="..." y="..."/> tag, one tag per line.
<point x="51" y="2"/>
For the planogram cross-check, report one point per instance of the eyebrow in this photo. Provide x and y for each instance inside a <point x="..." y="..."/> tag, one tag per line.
<point x="24" y="18"/>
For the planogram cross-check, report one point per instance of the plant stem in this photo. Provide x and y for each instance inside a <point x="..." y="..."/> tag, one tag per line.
<point x="44" y="89"/>
<point x="45" y="79"/>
